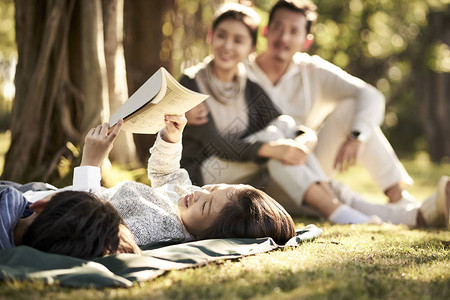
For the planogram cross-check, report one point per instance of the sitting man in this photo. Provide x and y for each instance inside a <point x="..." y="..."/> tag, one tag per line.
<point x="345" y="111"/>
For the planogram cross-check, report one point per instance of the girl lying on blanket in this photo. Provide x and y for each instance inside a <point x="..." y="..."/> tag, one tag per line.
<point x="174" y="209"/>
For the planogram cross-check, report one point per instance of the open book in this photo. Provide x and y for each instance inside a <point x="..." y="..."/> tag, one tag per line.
<point x="161" y="94"/>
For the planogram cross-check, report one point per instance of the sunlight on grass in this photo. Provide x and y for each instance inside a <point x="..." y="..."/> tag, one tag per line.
<point x="424" y="173"/>
<point x="113" y="174"/>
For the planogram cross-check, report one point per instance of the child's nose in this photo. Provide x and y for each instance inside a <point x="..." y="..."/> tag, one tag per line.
<point x="202" y="195"/>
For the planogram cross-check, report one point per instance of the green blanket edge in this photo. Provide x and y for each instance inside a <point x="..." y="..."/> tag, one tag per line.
<point x="122" y="270"/>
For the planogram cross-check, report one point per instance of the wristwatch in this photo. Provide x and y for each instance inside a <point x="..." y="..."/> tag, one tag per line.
<point x="357" y="136"/>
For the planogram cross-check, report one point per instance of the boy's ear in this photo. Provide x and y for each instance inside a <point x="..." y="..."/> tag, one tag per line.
<point x="308" y="42"/>
<point x="264" y="31"/>
<point x="41" y="204"/>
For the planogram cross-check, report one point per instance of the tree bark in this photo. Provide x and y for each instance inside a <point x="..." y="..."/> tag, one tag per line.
<point x="124" y="151"/>
<point x="35" y="84"/>
<point x="433" y="92"/>
<point x="93" y="66"/>
<point x="60" y="85"/>
<point x="143" y="37"/>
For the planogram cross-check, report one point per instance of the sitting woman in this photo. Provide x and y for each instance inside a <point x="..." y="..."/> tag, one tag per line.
<point x="237" y="134"/>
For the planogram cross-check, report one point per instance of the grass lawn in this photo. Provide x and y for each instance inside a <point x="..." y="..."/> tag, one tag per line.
<point x="346" y="262"/>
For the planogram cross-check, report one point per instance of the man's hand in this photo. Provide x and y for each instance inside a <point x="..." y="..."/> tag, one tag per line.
<point x="287" y="151"/>
<point x="98" y="144"/>
<point x="347" y="154"/>
<point x="198" y="115"/>
<point x="174" y="128"/>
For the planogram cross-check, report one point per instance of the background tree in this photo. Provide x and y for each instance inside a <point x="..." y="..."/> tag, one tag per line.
<point x="124" y="150"/>
<point x="61" y="85"/>
<point x="147" y="46"/>
<point x="432" y="84"/>
<point x="50" y="97"/>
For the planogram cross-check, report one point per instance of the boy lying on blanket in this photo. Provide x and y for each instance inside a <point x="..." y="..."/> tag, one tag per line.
<point x="172" y="209"/>
<point x="72" y="223"/>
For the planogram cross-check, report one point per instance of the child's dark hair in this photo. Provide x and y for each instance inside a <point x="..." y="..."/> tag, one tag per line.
<point x="239" y="12"/>
<point x="251" y="213"/>
<point x="81" y="225"/>
<point x="305" y="7"/>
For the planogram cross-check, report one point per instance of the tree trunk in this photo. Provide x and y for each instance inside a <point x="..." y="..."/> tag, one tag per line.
<point x="59" y="82"/>
<point x="124" y="151"/>
<point x="93" y="66"/>
<point x="144" y="53"/>
<point x="433" y="92"/>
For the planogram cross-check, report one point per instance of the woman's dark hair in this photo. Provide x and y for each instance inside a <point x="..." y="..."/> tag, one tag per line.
<point x="238" y="12"/>
<point x="81" y="225"/>
<point x="305" y="7"/>
<point x="251" y="213"/>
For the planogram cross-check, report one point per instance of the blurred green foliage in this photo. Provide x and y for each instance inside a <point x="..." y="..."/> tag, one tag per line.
<point x="7" y="31"/>
<point x="381" y="41"/>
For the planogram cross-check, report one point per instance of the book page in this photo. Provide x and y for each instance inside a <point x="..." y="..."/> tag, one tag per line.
<point x="176" y="100"/>
<point x="152" y="90"/>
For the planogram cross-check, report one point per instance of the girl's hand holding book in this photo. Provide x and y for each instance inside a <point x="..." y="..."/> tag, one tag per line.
<point x="173" y="131"/>
<point x="98" y="143"/>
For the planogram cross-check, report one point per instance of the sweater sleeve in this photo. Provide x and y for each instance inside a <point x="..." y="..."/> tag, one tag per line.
<point x="164" y="164"/>
<point x="337" y="84"/>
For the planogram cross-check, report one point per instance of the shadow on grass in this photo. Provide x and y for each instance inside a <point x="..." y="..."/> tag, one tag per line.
<point x="348" y="280"/>
<point x="418" y="269"/>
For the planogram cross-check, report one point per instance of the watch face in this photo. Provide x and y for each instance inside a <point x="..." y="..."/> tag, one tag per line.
<point x="356" y="135"/>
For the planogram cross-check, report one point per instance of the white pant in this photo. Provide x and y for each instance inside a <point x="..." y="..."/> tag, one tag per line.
<point x="376" y="155"/>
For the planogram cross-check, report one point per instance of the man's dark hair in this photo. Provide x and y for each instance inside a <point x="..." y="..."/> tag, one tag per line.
<point x="251" y="213"/>
<point x="305" y="7"/>
<point x="241" y="13"/>
<point x="81" y="225"/>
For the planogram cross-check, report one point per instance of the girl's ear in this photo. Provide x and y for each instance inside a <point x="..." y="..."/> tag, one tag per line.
<point x="264" y="31"/>
<point x="308" y="42"/>
<point x="209" y="36"/>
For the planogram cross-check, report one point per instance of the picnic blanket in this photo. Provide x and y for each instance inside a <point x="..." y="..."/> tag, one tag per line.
<point x="122" y="270"/>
